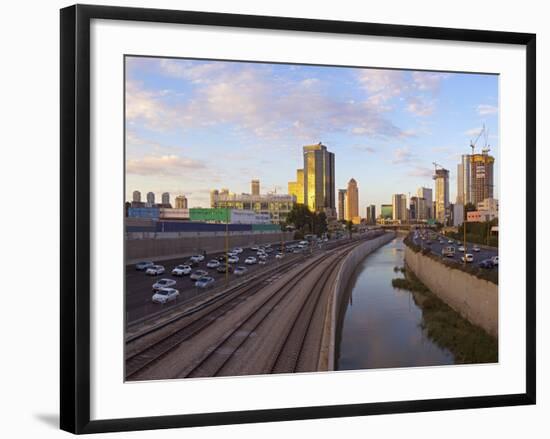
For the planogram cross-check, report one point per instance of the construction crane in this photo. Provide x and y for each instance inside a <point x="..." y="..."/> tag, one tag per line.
<point x="473" y="143"/>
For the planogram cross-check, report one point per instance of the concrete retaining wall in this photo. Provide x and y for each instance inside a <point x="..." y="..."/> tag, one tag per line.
<point x="169" y="248"/>
<point x="347" y="267"/>
<point x="473" y="298"/>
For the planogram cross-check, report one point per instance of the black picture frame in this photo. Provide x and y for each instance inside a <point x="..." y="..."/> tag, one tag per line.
<point x="75" y="216"/>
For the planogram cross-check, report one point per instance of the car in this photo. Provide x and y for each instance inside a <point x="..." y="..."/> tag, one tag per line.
<point x="197" y="274"/>
<point x="221" y="258"/>
<point x="450" y="241"/>
<point x="213" y="264"/>
<point x="260" y="253"/>
<point x="222" y="268"/>
<point x="239" y="271"/>
<point x="163" y="283"/>
<point x="304" y="243"/>
<point x="250" y="260"/>
<point x="461" y="249"/>
<point x="197" y="258"/>
<point x="144" y="265"/>
<point x="233" y="259"/>
<point x="254" y="248"/>
<point x="268" y="250"/>
<point x="181" y="270"/>
<point x="448" y="251"/>
<point x="165" y="295"/>
<point x="262" y="257"/>
<point x="279" y="255"/>
<point x="155" y="270"/>
<point x="238" y="250"/>
<point x="232" y="253"/>
<point x="486" y="263"/>
<point x="205" y="282"/>
<point x="468" y="256"/>
<point x="262" y="261"/>
<point x="495" y="260"/>
<point x="476" y="248"/>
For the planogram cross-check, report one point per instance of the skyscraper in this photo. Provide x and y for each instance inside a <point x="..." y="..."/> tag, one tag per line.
<point x="319" y="183"/>
<point x="181" y="202"/>
<point x="441" y="178"/>
<point x="352" y="202"/>
<point x="342" y="204"/>
<point x="165" y="198"/>
<point x="399" y="207"/>
<point x="136" y="196"/>
<point x="426" y="193"/>
<point x="150" y="199"/>
<point x="371" y="214"/>
<point x="255" y="187"/>
<point x="481" y="175"/>
<point x="296" y="188"/>
<point x="463" y="181"/>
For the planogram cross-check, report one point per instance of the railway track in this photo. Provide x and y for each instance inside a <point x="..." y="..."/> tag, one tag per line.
<point x="165" y="339"/>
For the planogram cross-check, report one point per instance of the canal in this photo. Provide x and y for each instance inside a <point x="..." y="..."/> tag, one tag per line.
<point x="381" y="325"/>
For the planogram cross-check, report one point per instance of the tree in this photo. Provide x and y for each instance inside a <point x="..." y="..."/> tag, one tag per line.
<point x="300" y="217"/>
<point x="469" y="207"/>
<point x="349" y="227"/>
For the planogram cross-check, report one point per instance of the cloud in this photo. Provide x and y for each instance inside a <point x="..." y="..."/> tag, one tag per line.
<point x="365" y="148"/>
<point x="428" y="81"/>
<point x="486" y="109"/>
<point x="420" y="107"/>
<point x="421" y="171"/>
<point x="402" y="155"/>
<point x="473" y="132"/>
<point x="163" y="165"/>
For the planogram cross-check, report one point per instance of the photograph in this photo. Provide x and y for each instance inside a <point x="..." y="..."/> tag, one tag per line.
<point x="288" y="218"/>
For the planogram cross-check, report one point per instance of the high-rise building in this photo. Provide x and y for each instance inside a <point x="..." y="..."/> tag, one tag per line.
<point x="414" y="208"/>
<point x="481" y="175"/>
<point x="371" y="214"/>
<point x="441" y="178"/>
<point x="136" y="196"/>
<point x="255" y="187"/>
<point x="166" y="198"/>
<point x="352" y="202"/>
<point x="426" y="194"/>
<point x="386" y="211"/>
<point x="150" y="199"/>
<point x="342" y="204"/>
<point x="319" y="183"/>
<point x="463" y="181"/>
<point x="399" y="207"/>
<point x="296" y="188"/>
<point x="181" y="202"/>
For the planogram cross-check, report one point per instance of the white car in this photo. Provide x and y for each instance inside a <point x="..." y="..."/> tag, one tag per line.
<point x="476" y="248"/>
<point x="198" y="274"/>
<point x="262" y="262"/>
<point x="495" y="260"/>
<point x="237" y="250"/>
<point x="260" y="252"/>
<point x="155" y="270"/>
<point x="182" y="270"/>
<point x="233" y="259"/>
<point x="232" y="253"/>
<point x="450" y="241"/>
<point x="213" y="264"/>
<point x="239" y="271"/>
<point x="254" y="248"/>
<point x="279" y="256"/>
<point x="163" y="283"/>
<point x="262" y="257"/>
<point x="144" y="265"/>
<point x="469" y="257"/>
<point x="197" y="258"/>
<point x="461" y="249"/>
<point x="250" y="260"/>
<point x="165" y="295"/>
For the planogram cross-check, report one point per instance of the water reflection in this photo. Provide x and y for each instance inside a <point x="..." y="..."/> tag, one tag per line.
<point x="381" y="325"/>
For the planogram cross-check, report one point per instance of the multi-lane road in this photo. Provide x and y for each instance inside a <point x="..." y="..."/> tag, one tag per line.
<point x="436" y="246"/>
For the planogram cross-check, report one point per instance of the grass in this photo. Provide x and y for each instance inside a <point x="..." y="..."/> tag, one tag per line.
<point x="447" y="328"/>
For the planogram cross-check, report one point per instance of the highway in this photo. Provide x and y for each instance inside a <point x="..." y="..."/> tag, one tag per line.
<point x="422" y="238"/>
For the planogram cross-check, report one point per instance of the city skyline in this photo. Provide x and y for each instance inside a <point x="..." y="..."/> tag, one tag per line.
<point x="197" y="125"/>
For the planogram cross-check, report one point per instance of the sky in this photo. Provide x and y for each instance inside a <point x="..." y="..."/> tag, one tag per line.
<point x="197" y="125"/>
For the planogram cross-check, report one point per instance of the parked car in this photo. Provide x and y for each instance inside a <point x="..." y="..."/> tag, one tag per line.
<point x="250" y="260"/>
<point x="213" y="264"/>
<point x="165" y="295"/>
<point x="239" y="271"/>
<point x="233" y="259"/>
<point x="232" y="253"/>
<point x="468" y="256"/>
<point x="279" y="256"/>
<point x="238" y="250"/>
<point x="163" y="283"/>
<point x="205" y="282"/>
<point x="197" y="274"/>
<point x="197" y="258"/>
<point x="486" y="263"/>
<point x="495" y="260"/>
<point x="155" y="270"/>
<point x="182" y="270"/>
<point x="262" y="261"/>
<point x="144" y="265"/>
<point x="221" y="268"/>
<point x="476" y="248"/>
<point x="262" y="257"/>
